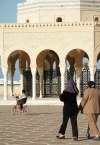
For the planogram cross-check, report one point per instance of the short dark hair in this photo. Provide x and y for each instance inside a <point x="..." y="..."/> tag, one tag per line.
<point x="23" y="91"/>
<point x="91" y="84"/>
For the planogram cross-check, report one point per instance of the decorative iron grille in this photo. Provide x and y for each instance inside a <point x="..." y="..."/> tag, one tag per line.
<point x="56" y="85"/>
<point x="85" y="78"/>
<point x="37" y="84"/>
<point x="47" y="83"/>
<point x="97" y="78"/>
<point x="51" y="84"/>
<point x="27" y="82"/>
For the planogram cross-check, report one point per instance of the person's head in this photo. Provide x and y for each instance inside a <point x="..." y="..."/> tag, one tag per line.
<point x="71" y="87"/>
<point x="91" y="84"/>
<point x="23" y="91"/>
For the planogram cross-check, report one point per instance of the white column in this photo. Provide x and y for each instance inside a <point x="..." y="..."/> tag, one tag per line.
<point x="12" y="76"/>
<point x="62" y="70"/>
<point x="92" y="72"/>
<point x="5" y="73"/>
<point x="33" y="70"/>
<point x="21" y="80"/>
<point x="78" y="71"/>
<point x="40" y="70"/>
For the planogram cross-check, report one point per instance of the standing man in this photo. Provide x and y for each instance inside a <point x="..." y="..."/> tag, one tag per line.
<point x="90" y="106"/>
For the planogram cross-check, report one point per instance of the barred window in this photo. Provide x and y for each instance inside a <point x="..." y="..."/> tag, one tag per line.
<point x="59" y="19"/>
<point x="27" y="21"/>
<point x="96" y="19"/>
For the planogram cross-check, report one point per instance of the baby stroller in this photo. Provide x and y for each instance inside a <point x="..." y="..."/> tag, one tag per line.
<point x="20" y="105"/>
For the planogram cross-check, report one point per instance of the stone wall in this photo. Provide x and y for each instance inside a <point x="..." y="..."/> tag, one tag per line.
<point x="16" y="89"/>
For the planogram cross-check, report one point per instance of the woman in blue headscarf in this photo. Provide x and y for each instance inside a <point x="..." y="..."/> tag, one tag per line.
<point x="70" y="109"/>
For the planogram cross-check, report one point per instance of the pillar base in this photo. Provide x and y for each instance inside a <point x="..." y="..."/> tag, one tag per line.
<point x="5" y="99"/>
<point x="34" y="98"/>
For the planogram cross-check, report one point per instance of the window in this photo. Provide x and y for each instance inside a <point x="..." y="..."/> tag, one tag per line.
<point x="59" y="19"/>
<point x="96" y="19"/>
<point x="27" y="21"/>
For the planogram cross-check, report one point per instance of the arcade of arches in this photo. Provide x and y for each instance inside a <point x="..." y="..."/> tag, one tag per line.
<point x="50" y="46"/>
<point x="49" y="78"/>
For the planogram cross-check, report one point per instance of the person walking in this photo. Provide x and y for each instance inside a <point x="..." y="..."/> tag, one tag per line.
<point x="70" y="110"/>
<point x="90" y="106"/>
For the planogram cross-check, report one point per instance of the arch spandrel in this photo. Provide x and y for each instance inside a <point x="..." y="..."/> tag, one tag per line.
<point x="18" y="54"/>
<point x="61" y="51"/>
<point x="47" y="55"/>
<point x="75" y="57"/>
<point x="10" y="51"/>
<point x="37" y="51"/>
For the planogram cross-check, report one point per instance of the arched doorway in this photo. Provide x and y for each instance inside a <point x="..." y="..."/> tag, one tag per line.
<point x="23" y="59"/>
<point x="77" y="68"/>
<point x="48" y="74"/>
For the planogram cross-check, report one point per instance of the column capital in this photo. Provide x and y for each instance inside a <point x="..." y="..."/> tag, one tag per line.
<point x="12" y="71"/>
<point x="5" y="70"/>
<point x="40" y="70"/>
<point x="92" y="67"/>
<point x="21" y="70"/>
<point x="92" y="72"/>
<point x="62" y="68"/>
<point x="78" y="71"/>
<point x="33" y="70"/>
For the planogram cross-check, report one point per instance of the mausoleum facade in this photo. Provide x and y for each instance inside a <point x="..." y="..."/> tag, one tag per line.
<point x="51" y="39"/>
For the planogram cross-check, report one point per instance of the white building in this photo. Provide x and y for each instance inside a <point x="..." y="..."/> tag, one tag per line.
<point x="51" y="32"/>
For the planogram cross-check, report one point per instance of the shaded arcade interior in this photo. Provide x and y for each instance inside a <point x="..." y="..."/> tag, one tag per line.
<point x="49" y="76"/>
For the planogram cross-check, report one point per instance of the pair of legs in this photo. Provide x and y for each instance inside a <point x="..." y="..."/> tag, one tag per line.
<point x="20" y="104"/>
<point x="73" y="119"/>
<point x="92" y="125"/>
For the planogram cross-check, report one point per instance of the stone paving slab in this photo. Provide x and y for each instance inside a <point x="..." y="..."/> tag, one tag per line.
<point x="38" y="101"/>
<point x="39" y="127"/>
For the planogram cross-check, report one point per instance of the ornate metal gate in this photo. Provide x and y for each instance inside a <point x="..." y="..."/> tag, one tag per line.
<point x="85" y="77"/>
<point x="97" y="78"/>
<point x="27" y="82"/>
<point x="47" y="84"/>
<point x="51" y="84"/>
<point x="56" y="83"/>
<point x="37" y="84"/>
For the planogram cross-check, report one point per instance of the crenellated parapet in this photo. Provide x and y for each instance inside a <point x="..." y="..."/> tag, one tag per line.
<point x="24" y="25"/>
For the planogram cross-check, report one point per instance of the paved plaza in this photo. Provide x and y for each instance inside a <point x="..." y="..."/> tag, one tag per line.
<point x="39" y="127"/>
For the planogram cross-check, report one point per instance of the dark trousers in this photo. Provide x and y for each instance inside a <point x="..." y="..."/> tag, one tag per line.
<point x="73" y="119"/>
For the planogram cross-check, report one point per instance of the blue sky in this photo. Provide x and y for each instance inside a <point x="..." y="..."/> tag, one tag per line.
<point x="8" y="9"/>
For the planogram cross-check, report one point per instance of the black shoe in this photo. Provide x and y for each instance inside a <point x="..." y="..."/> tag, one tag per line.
<point x="88" y="136"/>
<point x="60" y="136"/>
<point x="96" y="138"/>
<point x="75" y="138"/>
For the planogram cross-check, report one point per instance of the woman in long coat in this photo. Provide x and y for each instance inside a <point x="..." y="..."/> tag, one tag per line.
<point x="90" y="106"/>
<point x="70" y="109"/>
